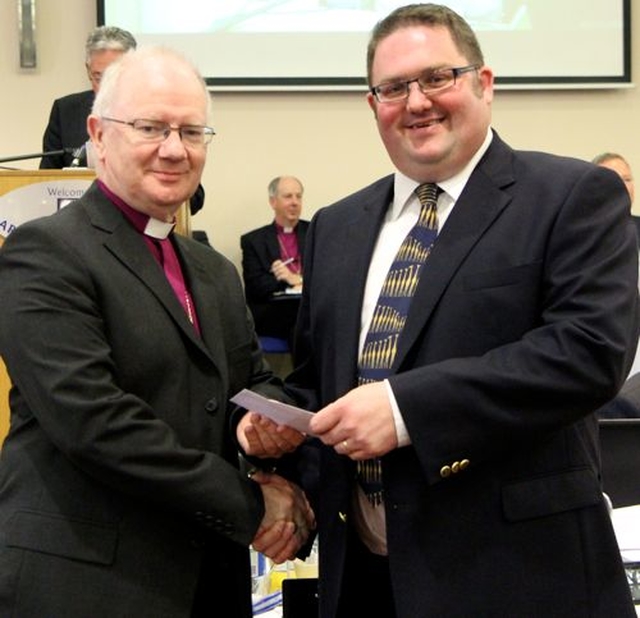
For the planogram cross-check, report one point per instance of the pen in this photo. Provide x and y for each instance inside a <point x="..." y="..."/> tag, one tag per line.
<point x="288" y="261"/>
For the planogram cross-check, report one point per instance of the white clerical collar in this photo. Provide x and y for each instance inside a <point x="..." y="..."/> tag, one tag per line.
<point x="158" y="229"/>
<point x="284" y="229"/>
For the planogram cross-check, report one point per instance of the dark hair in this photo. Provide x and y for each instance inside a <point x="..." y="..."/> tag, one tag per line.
<point x="426" y="15"/>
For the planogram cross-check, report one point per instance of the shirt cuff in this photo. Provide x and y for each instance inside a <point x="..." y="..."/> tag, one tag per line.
<point x="401" y="429"/>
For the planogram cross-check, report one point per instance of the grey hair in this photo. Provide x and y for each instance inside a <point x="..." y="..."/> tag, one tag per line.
<point x="603" y="157"/>
<point x="109" y="86"/>
<point x="108" y="37"/>
<point x="275" y="183"/>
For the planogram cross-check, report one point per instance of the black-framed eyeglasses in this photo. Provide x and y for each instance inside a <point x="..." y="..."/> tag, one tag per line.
<point x="429" y="82"/>
<point x="158" y="131"/>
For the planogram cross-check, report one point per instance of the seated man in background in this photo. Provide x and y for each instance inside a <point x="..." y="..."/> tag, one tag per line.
<point x="67" y="128"/>
<point x="272" y="261"/>
<point x="627" y="403"/>
<point x="619" y="164"/>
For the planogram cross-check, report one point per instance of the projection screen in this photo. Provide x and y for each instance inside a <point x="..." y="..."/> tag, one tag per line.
<point x="320" y="44"/>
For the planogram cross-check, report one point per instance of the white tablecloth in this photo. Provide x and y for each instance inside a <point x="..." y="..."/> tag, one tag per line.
<point x="626" y="523"/>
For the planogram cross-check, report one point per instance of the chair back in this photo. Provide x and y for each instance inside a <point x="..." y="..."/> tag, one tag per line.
<point x="620" y="459"/>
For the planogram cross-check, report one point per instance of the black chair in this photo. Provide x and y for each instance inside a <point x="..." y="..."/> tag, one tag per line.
<point x="299" y="598"/>
<point x="278" y="354"/>
<point x="620" y="458"/>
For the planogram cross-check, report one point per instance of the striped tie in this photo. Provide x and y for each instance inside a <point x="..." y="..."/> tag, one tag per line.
<point x="391" y="312"/>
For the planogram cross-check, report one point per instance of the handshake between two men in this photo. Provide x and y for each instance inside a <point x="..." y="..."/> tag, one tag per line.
<point x="359" y="425"/>
<point x="288" y="519"/>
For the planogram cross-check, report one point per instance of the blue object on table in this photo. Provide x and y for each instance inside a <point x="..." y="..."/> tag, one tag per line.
<point x="267" y="603"/>
<point x="273" y="345"/>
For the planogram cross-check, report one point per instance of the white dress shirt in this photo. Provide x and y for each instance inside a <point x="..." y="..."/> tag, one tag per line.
<point x="401" y="216"/>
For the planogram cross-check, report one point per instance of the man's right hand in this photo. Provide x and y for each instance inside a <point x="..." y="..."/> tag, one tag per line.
<point x="282" y="272"/>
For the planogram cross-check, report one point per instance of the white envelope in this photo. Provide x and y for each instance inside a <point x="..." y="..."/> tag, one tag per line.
<point x="281" y="413"/>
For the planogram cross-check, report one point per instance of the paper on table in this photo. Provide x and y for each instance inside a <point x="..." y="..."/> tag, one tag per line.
<point x="281" y="413"/>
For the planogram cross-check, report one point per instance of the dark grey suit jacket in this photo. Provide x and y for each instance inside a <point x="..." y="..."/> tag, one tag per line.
<point x="259" y="250"/>
<point x="67" y="128"/>
<point x="523" y="323"/>
<point x="119" y="480"/>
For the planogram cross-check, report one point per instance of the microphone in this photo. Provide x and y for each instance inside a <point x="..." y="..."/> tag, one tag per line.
<point x="78" y="155"/>
<point x="38" y="155"/>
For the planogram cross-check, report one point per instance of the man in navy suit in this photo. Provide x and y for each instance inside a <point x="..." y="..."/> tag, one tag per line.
<point x="272" y="266"/>
<point x="523" y="323"/>
<point x="67" y="127"/>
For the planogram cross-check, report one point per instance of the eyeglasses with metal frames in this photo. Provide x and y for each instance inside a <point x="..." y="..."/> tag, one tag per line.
<point x="158" y="131"/>
<point x="429" y="82"/>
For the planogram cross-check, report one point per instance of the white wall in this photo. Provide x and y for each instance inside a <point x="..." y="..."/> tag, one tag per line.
<point x="329" y="140"/>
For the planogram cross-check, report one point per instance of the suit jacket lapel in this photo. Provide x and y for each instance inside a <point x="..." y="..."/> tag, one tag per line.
<point x="360" y="235"/>
<point x="201" y="282"/>
<point x="480" y="203"/>
<point x="126" y="244"/>
<point x="272" y="246"/>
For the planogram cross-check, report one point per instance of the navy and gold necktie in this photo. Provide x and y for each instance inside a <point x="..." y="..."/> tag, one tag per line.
<point x="390" y="314"/>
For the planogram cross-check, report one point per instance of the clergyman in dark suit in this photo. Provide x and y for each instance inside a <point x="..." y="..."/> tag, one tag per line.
<point x="120" y="488"/>
<point x="465" y="482"/>
<point x="67" y="127"/>
<point x="272" y="266"/>
<point x="627" y="403"/>
<point x="616" y="162"/>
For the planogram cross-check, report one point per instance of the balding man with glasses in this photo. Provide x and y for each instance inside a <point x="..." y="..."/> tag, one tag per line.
<point x="120" y="487"/>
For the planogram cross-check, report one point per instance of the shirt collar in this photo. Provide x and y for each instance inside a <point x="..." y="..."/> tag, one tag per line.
<point x="284" y="230"/>
<point x="453" y="186"/>
<point x="404" y="187"/>
<point x="155" y="228"/>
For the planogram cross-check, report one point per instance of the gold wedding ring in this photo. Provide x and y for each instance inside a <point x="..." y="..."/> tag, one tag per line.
<point x="345" y="444"/>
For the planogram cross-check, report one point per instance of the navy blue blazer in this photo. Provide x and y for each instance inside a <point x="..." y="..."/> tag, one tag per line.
<point x="523" y="324"/>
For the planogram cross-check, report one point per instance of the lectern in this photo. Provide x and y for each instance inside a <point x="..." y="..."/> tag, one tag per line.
<point x="28" y="194"/>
